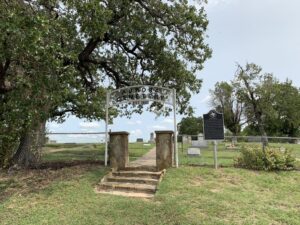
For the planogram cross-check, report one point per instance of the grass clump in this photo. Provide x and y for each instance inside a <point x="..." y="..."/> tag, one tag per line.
<point x="269" y="159"/>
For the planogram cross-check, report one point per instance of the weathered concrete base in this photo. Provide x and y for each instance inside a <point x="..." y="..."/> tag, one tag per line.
<point x="164" y="149"/>
<point x="140" y="179"/>
<point x="118" y="150"/>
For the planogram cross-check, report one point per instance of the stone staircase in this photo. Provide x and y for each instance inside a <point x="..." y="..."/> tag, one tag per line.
<point x="139" y="181"/>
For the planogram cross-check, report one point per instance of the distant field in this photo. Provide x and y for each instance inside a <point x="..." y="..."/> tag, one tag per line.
<point x="67" y="152"/>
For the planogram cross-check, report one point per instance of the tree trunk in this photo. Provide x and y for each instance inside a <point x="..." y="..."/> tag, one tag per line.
<point x="28" y="153"/>
<point x="292" y="133"/>
<point x="264" y="137"/>
<point x="260" y="122"/>
<point x="234" y="140"/>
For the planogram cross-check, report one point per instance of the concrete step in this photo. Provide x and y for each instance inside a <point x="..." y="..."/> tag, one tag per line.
<point x="136" y="180"/>
<point x="143" y="174"/>
<point x="141" y="181"/>
<point x="128" y="187"/>
<point x="126" y="193"/>
<point x="141" y="168"/>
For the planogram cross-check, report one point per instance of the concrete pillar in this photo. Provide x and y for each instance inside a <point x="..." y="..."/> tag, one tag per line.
<point x="164" y="149"/>
<point x="118" y="150"/>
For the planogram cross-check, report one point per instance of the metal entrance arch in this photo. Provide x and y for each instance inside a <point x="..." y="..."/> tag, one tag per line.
<point x="141" y="94"/>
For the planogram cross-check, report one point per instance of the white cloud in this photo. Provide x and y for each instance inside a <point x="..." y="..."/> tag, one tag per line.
<point x="212" y="3"/>
<point x="137" y="122"/>
<point x="89" y="125"/>
<point x="136" y="132"/>
<point x="159" y="127"/>
<point x="168" y="120"/>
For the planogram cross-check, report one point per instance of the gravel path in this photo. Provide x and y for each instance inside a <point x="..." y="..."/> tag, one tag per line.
<point x="149" y="159"/>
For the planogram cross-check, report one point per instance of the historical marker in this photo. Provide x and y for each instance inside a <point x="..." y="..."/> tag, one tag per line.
<point x="213" y="126"/>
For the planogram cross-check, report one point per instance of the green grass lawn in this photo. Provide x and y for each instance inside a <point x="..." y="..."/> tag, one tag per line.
<point x="187" y="195"/>
<point x="69" y="152"/>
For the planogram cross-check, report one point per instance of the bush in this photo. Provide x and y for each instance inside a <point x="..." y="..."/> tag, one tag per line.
<point x="271" y="159"/>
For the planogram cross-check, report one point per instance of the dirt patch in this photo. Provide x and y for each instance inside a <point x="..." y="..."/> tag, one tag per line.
<point x="197" y="181"/>
<point x="216" y="190"/>
<point x="23" y="182"/>
<point x="55" y="165"/>
<point x="206" y="165"/>
<point x="231" y="180"/>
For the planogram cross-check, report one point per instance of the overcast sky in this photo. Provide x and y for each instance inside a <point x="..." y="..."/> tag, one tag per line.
<point x="265" y="32"/>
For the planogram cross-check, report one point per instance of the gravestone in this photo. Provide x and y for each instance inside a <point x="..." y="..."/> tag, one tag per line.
<point x="140" y="140"/>
<point x="186" y="139"/>
<point x="152" y="140"/>
<point x="200" y="143"/>
<point x="194" y="151"/>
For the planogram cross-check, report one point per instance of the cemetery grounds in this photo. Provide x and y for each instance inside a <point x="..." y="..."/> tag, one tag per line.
<point x="62" y="192"/>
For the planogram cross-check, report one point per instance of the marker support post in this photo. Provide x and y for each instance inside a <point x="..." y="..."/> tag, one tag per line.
<point x="216" y="154"/>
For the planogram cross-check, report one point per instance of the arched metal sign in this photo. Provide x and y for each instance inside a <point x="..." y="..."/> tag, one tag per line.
<point x="141" y="94"/>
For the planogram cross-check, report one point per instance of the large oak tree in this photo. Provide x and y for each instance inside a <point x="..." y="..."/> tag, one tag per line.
<point x="60" y="56"/>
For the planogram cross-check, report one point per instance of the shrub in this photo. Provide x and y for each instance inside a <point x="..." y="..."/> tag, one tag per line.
<point x="253" y="157"/>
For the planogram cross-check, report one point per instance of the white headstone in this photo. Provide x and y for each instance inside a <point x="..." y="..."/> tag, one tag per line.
<point x="199" y="144"/>
<point x="194" y="152"/>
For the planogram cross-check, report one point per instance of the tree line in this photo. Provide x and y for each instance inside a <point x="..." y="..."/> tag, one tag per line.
<point x="253" y="103"/>
<point x="257" y="103"/>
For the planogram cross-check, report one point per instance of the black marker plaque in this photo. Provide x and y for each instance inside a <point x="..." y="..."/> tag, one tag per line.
<point x="213" y="126"/>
